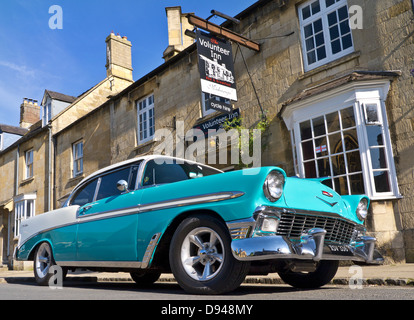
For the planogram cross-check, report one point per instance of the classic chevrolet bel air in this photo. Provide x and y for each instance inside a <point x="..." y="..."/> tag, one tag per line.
<point x="157" y="214"/>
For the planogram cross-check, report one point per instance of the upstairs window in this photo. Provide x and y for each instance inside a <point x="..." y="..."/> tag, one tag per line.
<point x="77" y="153"/>
<point x="325" y="31"/>
<point x="29" y="164"/>
<point x="146" y="119"/>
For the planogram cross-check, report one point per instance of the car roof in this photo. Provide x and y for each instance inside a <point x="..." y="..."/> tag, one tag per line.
<point x="141" y="158"/>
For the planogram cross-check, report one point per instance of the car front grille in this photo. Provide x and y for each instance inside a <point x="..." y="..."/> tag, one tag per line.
<point x="292" y="225"/>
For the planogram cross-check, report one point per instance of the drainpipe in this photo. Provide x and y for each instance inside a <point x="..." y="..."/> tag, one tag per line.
<point x="16" y="192"/>
<point x="49" y="180"/>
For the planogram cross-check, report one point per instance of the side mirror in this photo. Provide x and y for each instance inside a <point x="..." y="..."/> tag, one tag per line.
<point x="122" y="186"/>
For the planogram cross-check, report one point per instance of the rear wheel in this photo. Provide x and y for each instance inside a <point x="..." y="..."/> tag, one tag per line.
<point x="324" y="273"/>
<point x="201" y="258"/>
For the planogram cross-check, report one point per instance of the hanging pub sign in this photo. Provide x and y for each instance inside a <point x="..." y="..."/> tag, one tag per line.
<point x="215" y="62"/>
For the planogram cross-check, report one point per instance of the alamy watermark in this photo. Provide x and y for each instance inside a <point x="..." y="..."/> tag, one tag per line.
<point x="211" y="148"/>
<point x="56" y="20"/>
<point x="355" y="281"/>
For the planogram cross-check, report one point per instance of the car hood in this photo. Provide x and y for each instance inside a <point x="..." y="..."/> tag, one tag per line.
<point x="312" y="195"/>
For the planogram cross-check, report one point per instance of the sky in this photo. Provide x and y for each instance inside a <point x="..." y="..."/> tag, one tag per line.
<point x="70" y="60"/>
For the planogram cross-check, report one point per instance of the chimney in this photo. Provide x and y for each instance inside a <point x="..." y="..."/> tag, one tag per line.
<point x="177" y="39"/>
<point x="29" y="113"/>
<point x="118" y="57"/>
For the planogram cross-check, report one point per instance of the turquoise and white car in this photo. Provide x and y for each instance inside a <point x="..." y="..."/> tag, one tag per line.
<point x="157" y="214"/>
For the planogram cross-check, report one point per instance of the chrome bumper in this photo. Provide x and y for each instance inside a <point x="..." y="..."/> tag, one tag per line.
<point x="310" y="247"/>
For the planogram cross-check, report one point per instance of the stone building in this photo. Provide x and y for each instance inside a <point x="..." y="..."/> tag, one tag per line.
<point x="27" y="165"/>
<point x="338" y="100"/>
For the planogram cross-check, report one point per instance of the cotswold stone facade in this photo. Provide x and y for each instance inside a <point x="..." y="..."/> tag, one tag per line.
<point x="339" y="103"/>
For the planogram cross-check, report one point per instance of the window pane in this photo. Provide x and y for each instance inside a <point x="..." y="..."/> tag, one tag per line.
<point x="321" y="149"/>
<point x="317" y="26"/>
<point x="338" y="165"/>
<point x="305" y="130"/>
<point x="85" y="194"/>
<point x="341" y="185"/>
<point x="308" y="31"/>
<point x="335" y="143"/>
<point x="109" y="182"/>
<point x="354" y="161"/>
<point x="356" y="182"/>
<point x="311" y="57"/>
<point x="329" y="3"/>
<point x="378" y="158"/>
<point x="332" y="19"/>
<point x="321" y="53"/>
<point x="375" y="136"/>
<point x="306" y="13"/>
<point x="316" y="7"/>
<point x="382" y="183"/>
<point x="307" y="150"/>
<point x="336" y="46"/>
<point x="348" y="118"/>
<point x="345" y="27"/>
<point x="310" y="44"/>
<point x="319" y="39"/>
<point x="343" y="13"/>
<point x="332" y="120"/>
<point x="347" y="42"/>
<point x="318" y="126"/>
<point x="351" y="140"/>
<point x="334" y="32"/>
<point x="324" y="167"/>
<point x="310" y="169"/>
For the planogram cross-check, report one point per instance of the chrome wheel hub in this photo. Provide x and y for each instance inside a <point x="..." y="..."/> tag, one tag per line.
<point x="202" y="254"/>
<point x="43" y="260"/>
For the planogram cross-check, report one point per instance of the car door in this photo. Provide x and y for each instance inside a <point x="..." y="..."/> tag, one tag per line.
<point x="107" y="229"/>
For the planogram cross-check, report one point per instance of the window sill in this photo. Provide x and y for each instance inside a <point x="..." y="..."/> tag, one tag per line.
<point x="77" y="178"/>
<point x="144" y="147"/>
<point x="26" y="181"/>
<point x="330" y="65"/>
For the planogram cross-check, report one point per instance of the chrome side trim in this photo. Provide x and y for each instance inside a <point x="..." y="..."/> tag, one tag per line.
<point x="97" y="264"/>
<point x="241" y="229"/>
<point x="150" y="250"/>
<point x="181" y="202"/>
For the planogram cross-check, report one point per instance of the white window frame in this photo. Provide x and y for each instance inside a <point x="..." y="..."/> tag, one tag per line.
<point x="145" y="119"/>
<point x="355" y="95"/>
<point x="23" y="205"/>
<point x="77" y="158"/>
<point x="29" y="170"/>
<point x="47" y="113"/>
<point x="322" y="14"/>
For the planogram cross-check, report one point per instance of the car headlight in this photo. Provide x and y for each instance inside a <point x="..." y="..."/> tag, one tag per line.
<point x="273" y="185"/>
<point x="362" y="209"/>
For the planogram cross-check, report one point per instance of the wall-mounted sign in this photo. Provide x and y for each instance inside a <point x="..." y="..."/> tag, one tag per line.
<point x="219" y="106"/>
<point x="215" y="62"/>
<point x="217" y="122"/>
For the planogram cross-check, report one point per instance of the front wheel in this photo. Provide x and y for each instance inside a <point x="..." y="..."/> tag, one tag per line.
<point x="43" y="261"/>
<point x="325" y="271"/>
<point x="201" y="258"/>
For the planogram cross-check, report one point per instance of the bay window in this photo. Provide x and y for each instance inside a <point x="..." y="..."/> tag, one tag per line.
<point x="343" y="135"/>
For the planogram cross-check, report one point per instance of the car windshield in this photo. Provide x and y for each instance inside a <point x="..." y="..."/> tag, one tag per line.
<point x="174" y="172"/>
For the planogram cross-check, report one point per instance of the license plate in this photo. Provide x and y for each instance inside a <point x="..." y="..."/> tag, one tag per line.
<point x="340" y="250"/>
